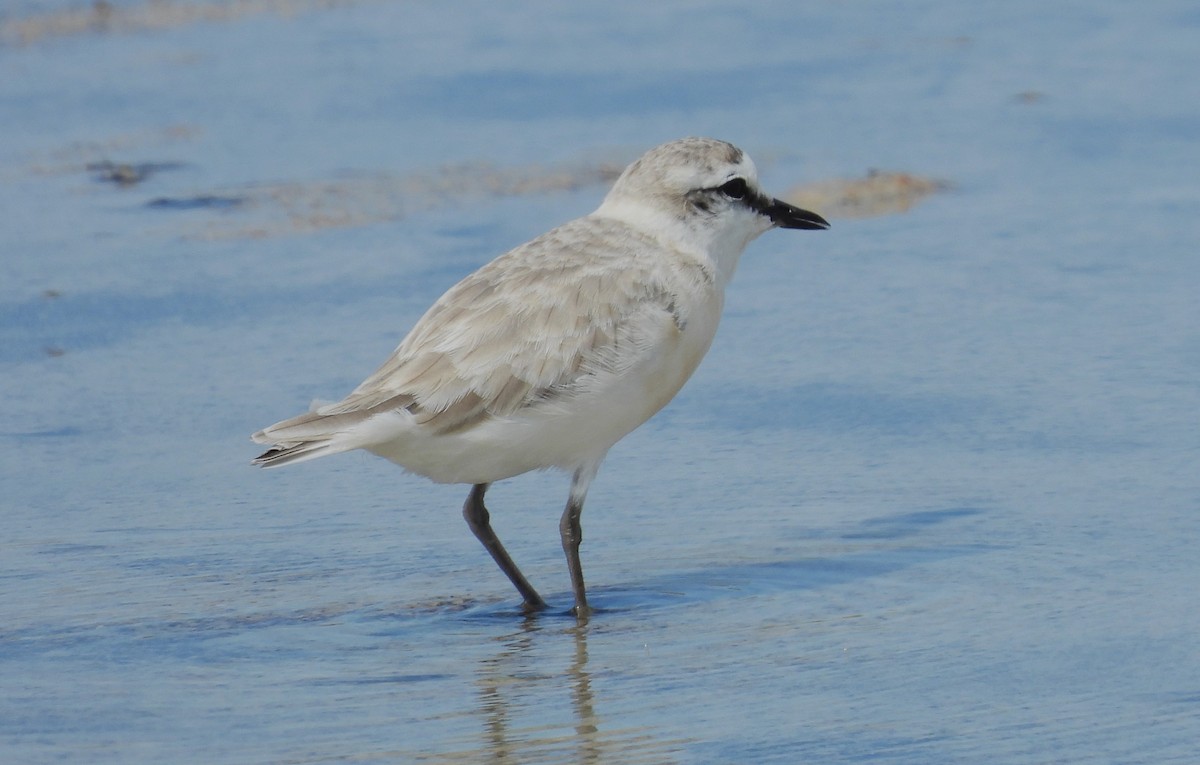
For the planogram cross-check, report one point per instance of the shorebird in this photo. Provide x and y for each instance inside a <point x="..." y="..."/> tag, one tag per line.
<point x="554" y="351"/>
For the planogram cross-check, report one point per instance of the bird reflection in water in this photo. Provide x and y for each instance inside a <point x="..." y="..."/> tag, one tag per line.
<point x="521" y="704"/>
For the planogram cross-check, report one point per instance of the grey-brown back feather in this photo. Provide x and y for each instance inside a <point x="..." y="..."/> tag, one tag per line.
<point x="525" y="329"/>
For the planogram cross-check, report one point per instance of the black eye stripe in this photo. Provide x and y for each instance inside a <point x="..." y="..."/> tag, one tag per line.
<point x="735" y="188"/>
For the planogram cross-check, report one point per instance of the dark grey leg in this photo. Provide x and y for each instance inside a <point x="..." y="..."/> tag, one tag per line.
<point x="572" y="534"/>
<point x="480" y="522"/>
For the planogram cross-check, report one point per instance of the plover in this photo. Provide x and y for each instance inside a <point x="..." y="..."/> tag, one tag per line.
<point x="554" y="351"/>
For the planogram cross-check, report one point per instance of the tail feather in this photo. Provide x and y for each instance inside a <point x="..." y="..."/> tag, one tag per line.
<point x="318" y="433"/>
<point x="302" y="438"/>
<point x="283" y="454"/>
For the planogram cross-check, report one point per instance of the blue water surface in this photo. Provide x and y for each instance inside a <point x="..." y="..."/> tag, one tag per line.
<point x="933" y="497"/>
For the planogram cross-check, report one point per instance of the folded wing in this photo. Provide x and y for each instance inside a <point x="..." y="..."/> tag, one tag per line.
<point x="533" y="326"/>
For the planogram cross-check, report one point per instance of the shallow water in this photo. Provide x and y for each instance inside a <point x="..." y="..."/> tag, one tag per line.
<point x="933" y="497"/>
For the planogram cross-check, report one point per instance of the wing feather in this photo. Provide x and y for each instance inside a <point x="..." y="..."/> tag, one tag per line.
<point x="529" y="327"/>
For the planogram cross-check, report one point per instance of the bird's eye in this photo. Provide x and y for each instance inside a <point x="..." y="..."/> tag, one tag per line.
<point x="735" y="189"/>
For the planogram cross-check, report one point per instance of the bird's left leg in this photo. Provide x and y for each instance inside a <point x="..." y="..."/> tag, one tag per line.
<point x="480" y="522"/>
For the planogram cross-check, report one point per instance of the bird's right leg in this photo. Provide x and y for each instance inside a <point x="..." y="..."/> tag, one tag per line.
<point x="480" y="522"/>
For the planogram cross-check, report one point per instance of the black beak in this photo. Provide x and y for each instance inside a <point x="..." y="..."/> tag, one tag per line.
<point x="789" y="216"/>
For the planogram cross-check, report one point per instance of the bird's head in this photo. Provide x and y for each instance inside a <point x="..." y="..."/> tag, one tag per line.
<point x="703" y="194"/>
